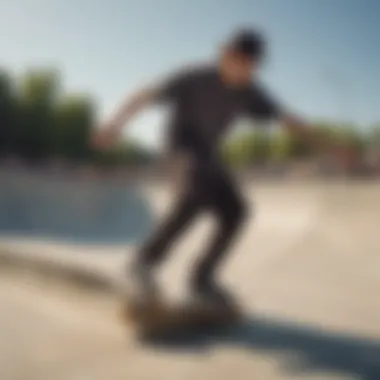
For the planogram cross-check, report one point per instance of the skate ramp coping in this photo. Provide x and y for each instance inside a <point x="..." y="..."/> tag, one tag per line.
<point x="79" y="210"/>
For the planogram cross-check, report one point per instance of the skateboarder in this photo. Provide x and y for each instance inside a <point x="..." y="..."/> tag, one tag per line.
<point x="205" y="100"/>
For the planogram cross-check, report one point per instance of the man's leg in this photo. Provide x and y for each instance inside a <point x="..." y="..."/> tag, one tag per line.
<point x="230" y="210"/>
<point x="154" y="250"/>
<point x="157" y="246"/>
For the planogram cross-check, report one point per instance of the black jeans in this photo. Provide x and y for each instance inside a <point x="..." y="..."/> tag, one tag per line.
<point x="208" y="188"/>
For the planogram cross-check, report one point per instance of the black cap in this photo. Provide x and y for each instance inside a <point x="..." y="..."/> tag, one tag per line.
<point x="248" y="42"/>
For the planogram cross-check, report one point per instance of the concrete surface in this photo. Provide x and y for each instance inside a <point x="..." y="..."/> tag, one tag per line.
<point x="307" y="270"/>
<point x="76" y="210"/>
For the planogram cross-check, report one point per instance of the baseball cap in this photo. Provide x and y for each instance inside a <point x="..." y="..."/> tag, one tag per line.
<point x="248" y="42"/>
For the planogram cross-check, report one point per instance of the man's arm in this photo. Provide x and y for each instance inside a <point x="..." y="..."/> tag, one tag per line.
<point x="168" y="90"/>
<point x="305" y="131"/>
<point x="109" y="133"/>
<point x="263" y="106"/>
<point x="134" y="104"/>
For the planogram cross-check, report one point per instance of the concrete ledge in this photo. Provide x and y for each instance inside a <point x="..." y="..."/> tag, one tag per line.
<point x="55" y="268"/>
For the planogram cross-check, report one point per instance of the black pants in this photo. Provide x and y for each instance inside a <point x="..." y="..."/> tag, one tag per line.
<point x="208" y="187"/>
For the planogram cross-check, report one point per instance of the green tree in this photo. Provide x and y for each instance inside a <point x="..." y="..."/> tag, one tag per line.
<point x="74" y="119"/>
<point x="38" y="94"/>
<point x="7" y="113"/>
<point x="342" y="134"/>
<point x="372" y="144"/>
<point x="126" y="153"/>
<point x="282" y="146"/>
<point x="374" y="136"/>
<point x="247" y="148"/>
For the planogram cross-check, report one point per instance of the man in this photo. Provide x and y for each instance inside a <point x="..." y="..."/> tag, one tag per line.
<point x="205" y="101"/>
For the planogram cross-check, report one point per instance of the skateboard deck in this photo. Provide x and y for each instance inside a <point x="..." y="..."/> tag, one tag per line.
<point x="159" y="317"/>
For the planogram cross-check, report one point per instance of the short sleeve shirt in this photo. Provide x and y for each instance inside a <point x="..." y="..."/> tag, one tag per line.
<point x="204" y="107"/>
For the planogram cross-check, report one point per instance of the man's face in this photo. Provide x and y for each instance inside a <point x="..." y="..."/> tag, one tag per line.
<point x="238" y="68"/>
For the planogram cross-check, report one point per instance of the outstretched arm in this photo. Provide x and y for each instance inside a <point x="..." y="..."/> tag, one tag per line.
<point x="168" y="90"/>
<point x="314" y="137"/>
<point x="129" y="108"/>
<point x="264" y="106"/>
<point x="298" y="127"/>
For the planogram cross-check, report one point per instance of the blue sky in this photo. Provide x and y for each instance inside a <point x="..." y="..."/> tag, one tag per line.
<point x="324" y="54"/>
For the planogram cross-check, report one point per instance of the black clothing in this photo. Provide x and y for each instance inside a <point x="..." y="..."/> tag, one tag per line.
<point x="203" y="109"/>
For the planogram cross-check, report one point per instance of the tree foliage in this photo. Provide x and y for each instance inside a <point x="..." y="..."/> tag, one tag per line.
<point x="7" y="113"/>
<point x="247" y="148"/>
<point x="283" y="147"/>
<point x="39" y="122"/>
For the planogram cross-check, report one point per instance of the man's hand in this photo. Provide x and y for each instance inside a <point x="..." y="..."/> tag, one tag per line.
<point x="106" y="137"/>
<point x="336" y="155"/>
<point x="306" y="132"/>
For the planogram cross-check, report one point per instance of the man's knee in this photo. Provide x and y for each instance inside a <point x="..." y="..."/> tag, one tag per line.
<point x="234" y="215"/>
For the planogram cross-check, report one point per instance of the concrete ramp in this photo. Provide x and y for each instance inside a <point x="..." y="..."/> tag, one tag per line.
<point x="74" y="210"/>
<point x="280" y="221"/>
<point x="306" y="270"/>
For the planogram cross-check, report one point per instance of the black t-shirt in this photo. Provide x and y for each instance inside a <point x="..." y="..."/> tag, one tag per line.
<point x="204" y="107"/>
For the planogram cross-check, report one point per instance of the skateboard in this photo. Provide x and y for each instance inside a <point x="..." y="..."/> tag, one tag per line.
<point x="157" y="317"/>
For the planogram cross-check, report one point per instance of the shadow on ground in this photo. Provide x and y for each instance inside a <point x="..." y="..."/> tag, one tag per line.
<point x="309" y="349"/>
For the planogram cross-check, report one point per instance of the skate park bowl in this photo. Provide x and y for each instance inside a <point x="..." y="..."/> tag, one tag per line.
<point x="73" y="210"/>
